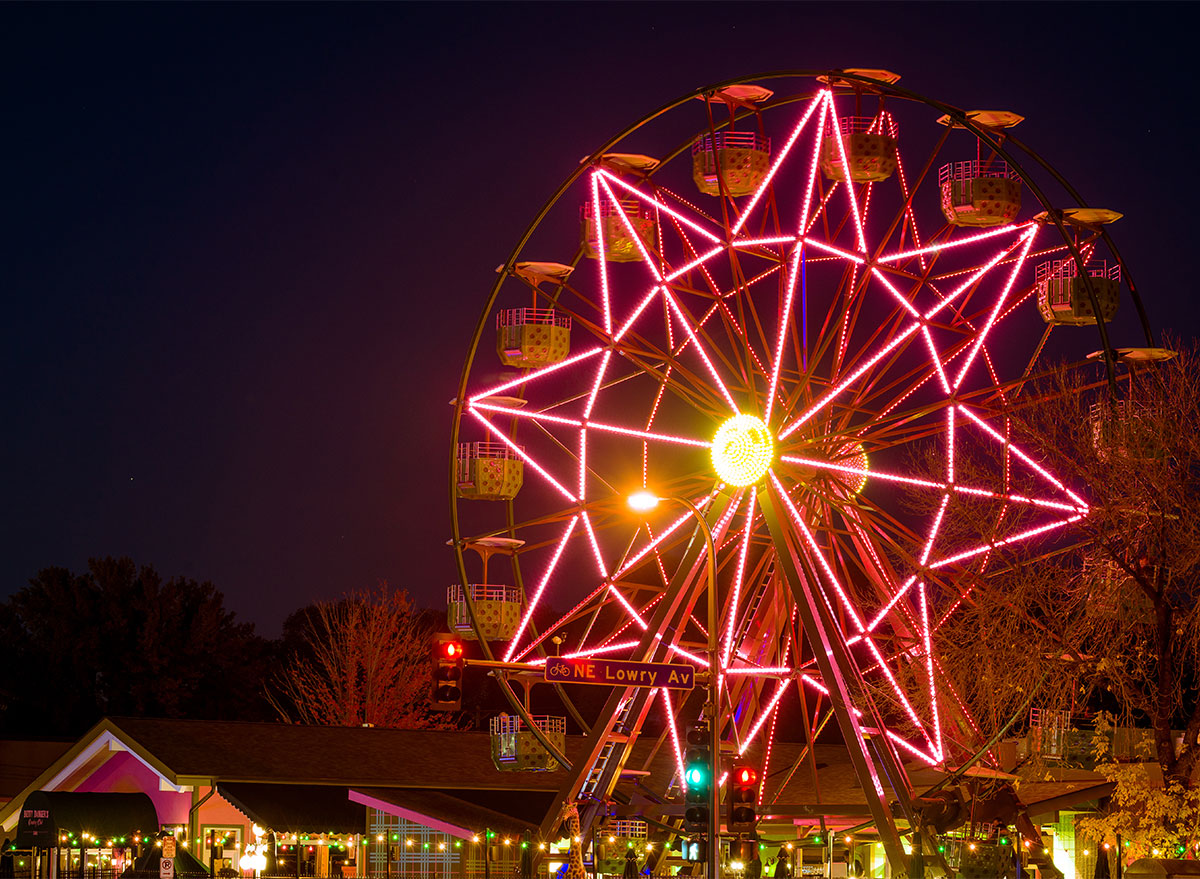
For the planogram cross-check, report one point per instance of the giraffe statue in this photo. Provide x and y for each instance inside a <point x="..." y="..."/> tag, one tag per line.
<point x="575" y="868"/>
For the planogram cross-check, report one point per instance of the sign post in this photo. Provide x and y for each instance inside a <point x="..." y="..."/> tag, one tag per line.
<point x="166" y="868"/>
<point x="168" y="846"/>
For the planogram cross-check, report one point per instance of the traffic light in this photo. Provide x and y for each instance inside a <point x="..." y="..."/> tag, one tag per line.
<point x="742" y="799"/>
<point x="447" y="673"/>
<point x="695" y="850"/>
<point x="697" y="776"/>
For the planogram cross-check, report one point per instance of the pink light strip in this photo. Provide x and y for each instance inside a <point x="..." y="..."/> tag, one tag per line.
<point x="1032" y="532"/>
<point x="629" y="229"/>
<point x="841" y="145"/>
<point x="602" y="264"/>
<point x="598" y="651"/>
<point x="982" y="334"/>
<point x="533" y="376"/>
<point x="891" y="603"/>
<point x="658" y="205"/>
<point x="851" y="610"/>
<point x="937" y="524"/>
<point x="957" y="242"/>
<point x="691" y="265"/>
<point x="785" y="321"/>
<point x="853" y="377"/>
<point x="1021" y="499"/>
<point x="542" y="637"/>
<point x="646" y="550"/>
<point x="666" y="696"/>
<point x="591" y="403"/>
<point x="836" y="251"/>
<point x="933" y="353"/>
<point x="932" y="761"/>
<point x="813" y="165"/>
<point x="950" y="438"/>
<point x="850" y="380"/>
<point x="762" y="717"/>
<point x="637" y="312"/>
<point x="763" y="242"/>
<point x="587" y="525"/>
<point x="966" y="285"/>
<point x="645" y="434"/>
<point x="896" y="294"/>
<point x="537" y="596"/>
<point x="766" y="671"/>
<point x="859" y="471"/>
<point x="526" y="414"/>
<point x="589" y="652"/>
<point x="818" y="686"/>
<point x="637" y="617"/>
<point x="674" y="648"/>
<point x="783" y="153"/>
<point x="739" y="576"/>
<point x="699" y="350"/>
<point x="933" y="700"/>
<point x="1016" y="450"/>
<point x="521" y="452"/>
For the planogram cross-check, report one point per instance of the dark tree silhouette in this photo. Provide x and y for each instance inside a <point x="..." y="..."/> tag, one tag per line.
<point x="121" y="640"/>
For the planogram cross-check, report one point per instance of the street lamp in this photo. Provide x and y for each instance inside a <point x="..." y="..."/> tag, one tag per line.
<point x="644" y="501"/>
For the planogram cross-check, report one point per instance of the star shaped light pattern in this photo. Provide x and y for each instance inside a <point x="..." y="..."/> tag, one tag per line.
<point x="872" y="355"/>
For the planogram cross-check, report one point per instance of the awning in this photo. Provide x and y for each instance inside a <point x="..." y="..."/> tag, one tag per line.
<point x="296" y="808"/>
<point x="454" y="814"/>
<point x="45" y="815"/>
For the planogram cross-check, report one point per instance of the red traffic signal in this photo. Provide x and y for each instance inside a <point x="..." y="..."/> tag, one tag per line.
<point x="742" y="799"/>
<point x="447" y="673"/>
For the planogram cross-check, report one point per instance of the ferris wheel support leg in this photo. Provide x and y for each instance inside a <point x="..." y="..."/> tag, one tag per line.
<point x="682" y="591"/>
<point x="836" y="667"/>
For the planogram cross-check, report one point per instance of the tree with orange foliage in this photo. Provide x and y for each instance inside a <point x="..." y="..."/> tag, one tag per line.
<point x="361" y="660"/>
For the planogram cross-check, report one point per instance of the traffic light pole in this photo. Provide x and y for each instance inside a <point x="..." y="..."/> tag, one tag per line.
<point x="713" y="855"/>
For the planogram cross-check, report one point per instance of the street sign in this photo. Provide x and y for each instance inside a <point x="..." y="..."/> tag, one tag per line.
<point x="168" y="846"/>
<point x="619" y="673"/>
<point x="166" y="868"/>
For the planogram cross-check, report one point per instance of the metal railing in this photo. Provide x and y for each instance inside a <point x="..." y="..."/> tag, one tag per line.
<point x="519" y="317"/>
<point x="1067" y="268"/>
<point x="731" y="140"/>
<point x="632" y="208"/>
<point x="974" y="169"/>
<point x="856" y="125"/>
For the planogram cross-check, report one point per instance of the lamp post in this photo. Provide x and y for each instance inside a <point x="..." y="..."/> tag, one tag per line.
<point x="644" y="501"/>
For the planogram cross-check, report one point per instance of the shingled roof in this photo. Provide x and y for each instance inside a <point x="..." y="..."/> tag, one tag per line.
<point x="352" y="756"/>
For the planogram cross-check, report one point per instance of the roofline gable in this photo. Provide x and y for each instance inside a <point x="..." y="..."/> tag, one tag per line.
<point x="104" y="736"/>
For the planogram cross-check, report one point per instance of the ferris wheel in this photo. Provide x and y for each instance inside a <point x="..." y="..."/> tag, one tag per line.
<point x="799" y="309"/>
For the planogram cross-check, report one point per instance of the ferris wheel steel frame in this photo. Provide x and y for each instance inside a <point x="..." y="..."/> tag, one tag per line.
<point x="838" y="669"/>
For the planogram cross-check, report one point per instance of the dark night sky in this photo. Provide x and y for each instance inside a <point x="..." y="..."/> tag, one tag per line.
<point x="246" y="245"/>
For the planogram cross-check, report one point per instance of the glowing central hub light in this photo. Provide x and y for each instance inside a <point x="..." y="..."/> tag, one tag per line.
<point x="742" y="450"/>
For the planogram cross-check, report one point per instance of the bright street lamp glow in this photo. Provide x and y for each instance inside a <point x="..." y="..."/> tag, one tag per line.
<point x="643" y="501"/>
<point x="742" y="450"/>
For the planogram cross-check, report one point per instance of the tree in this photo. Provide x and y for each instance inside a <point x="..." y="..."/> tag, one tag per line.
<point x="361" y="660"/>
<point x="120" y="640"/>
<point x="1107" y="616"/>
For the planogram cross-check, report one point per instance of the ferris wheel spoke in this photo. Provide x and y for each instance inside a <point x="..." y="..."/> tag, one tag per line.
<point x="982" y="333"/>
<point x="541" y="588"/>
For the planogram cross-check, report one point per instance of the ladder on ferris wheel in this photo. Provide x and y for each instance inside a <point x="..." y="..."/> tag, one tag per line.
<point x="618" y="737"/>
<point x="755" y="600"/>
